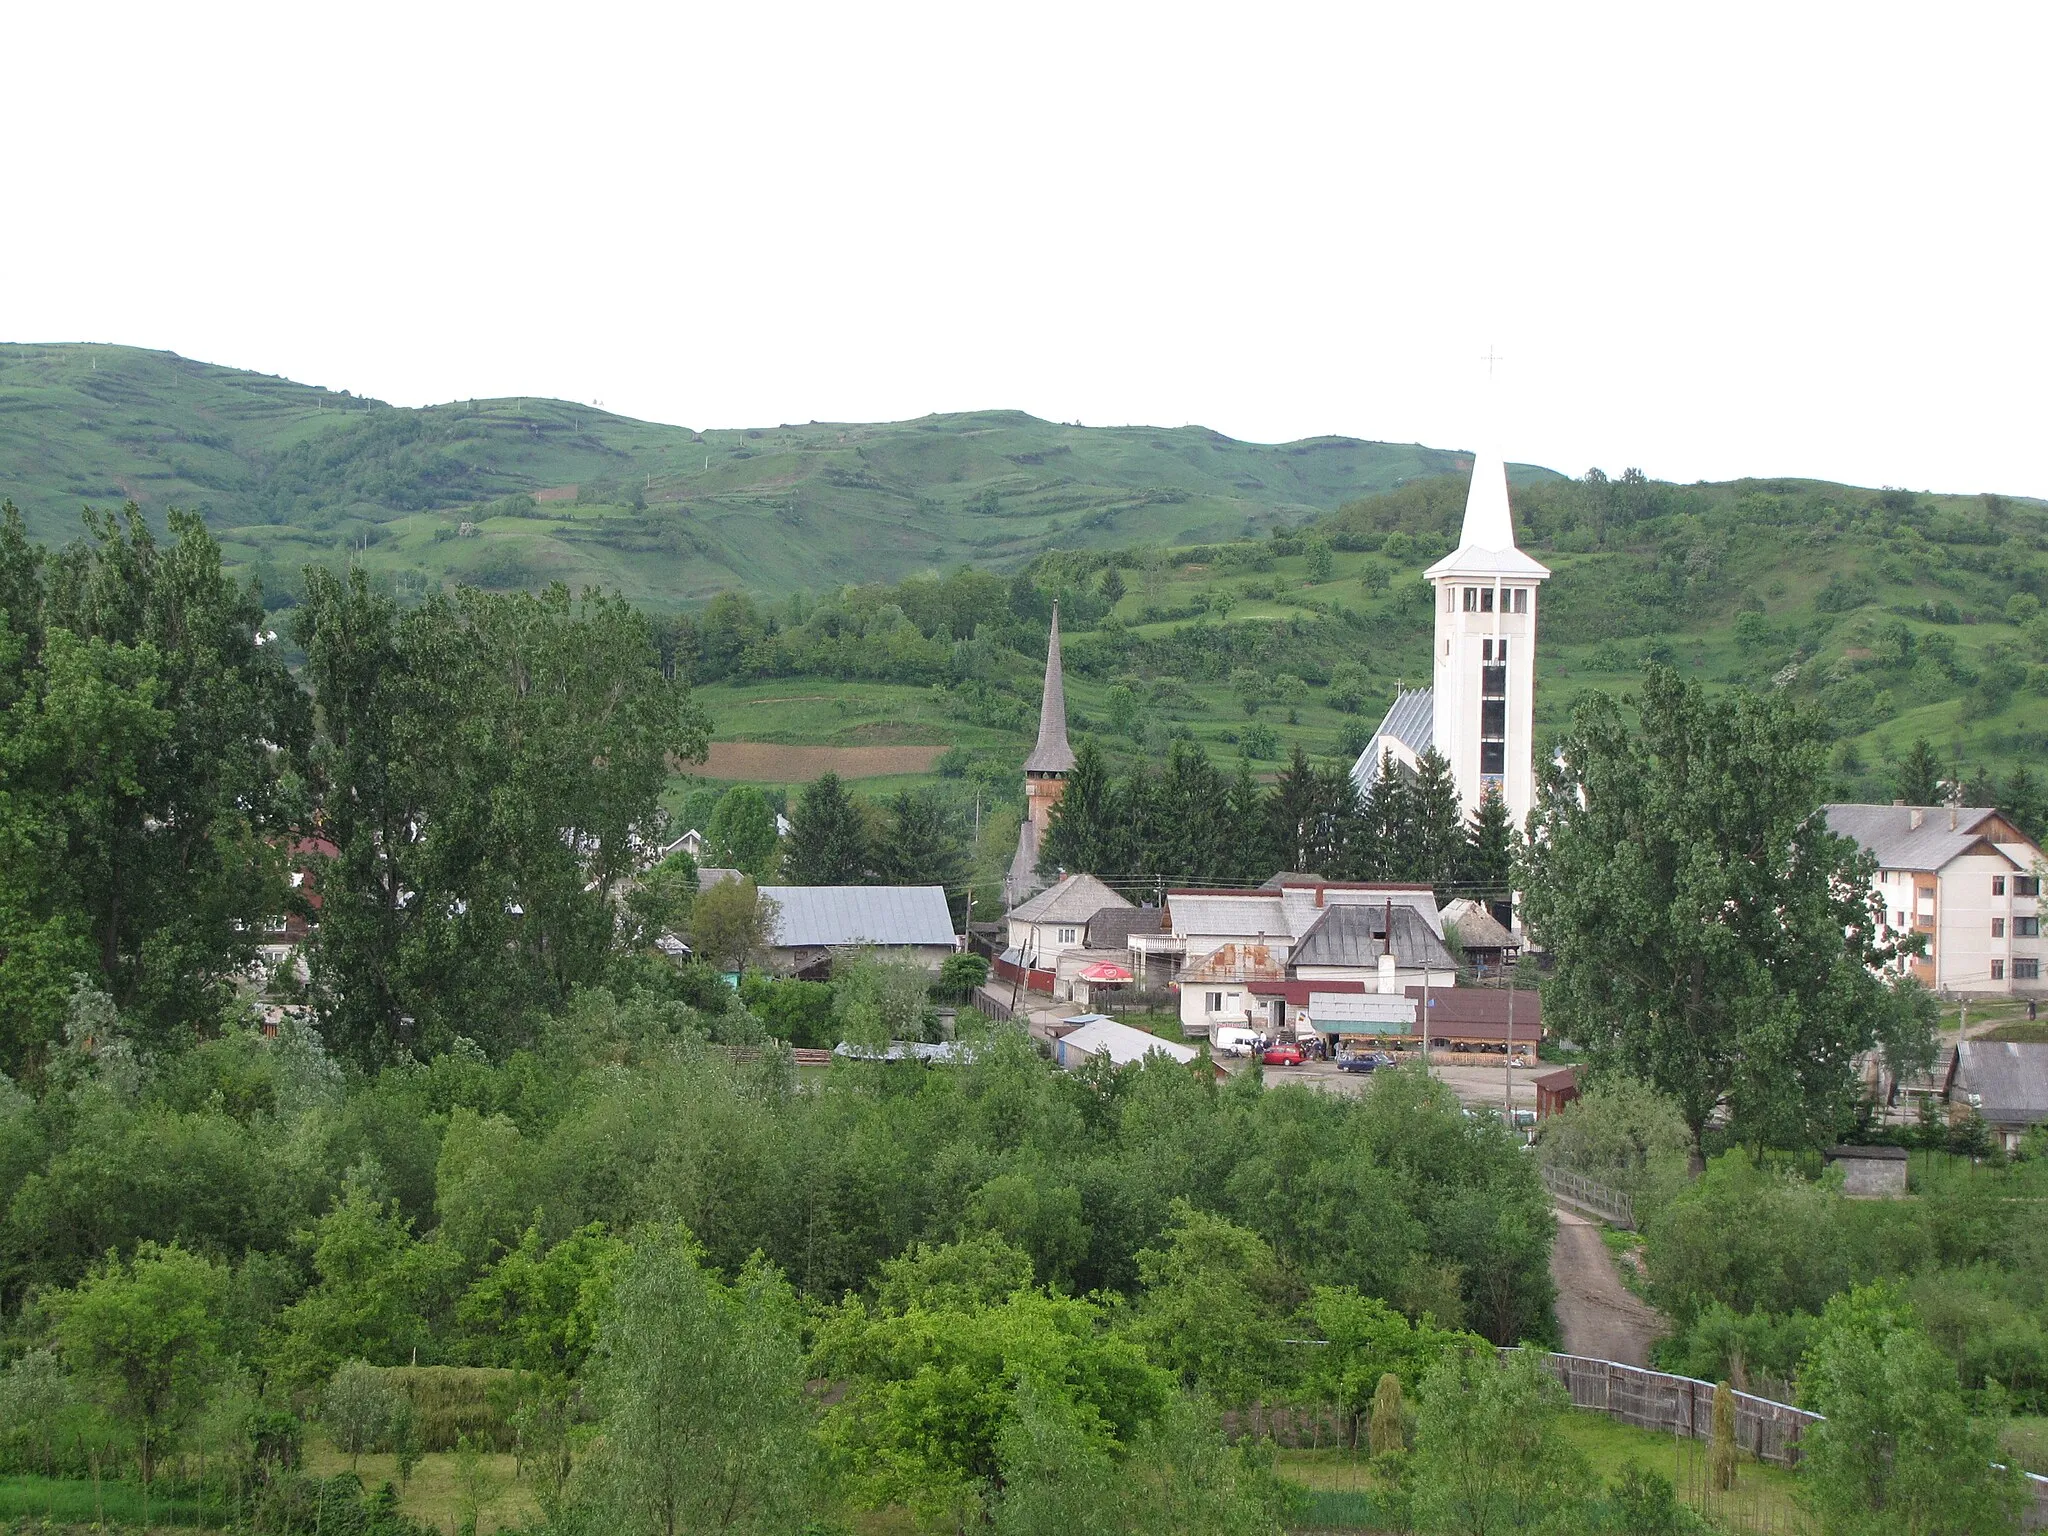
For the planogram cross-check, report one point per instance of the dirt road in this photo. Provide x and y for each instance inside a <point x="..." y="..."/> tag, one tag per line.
<point x="1598" y="1314"/>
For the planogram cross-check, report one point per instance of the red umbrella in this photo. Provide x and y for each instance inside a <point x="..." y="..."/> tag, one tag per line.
<point x="1104" y="973"/>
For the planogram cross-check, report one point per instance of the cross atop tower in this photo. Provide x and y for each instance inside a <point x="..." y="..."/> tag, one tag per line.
<point x="1490" y="359"/>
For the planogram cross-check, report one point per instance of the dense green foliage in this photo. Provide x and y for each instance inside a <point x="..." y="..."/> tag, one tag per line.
<point x="1709" y="934"/>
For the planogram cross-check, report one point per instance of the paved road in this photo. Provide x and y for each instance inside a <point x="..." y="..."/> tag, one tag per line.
<point x="1599" y="1315"/>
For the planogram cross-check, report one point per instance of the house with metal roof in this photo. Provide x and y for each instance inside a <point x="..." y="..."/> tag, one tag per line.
<point x="815" y="922"/>
<point x="1239" y="944"/>
<point x="2005" y="1081"/>
<point x="1118" y="1043"/>
<point x="1967" y="880"/>
<point x="1055" y="919"/>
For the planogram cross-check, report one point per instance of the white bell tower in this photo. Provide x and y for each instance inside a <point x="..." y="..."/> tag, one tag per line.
<point x="1483" y="717"/>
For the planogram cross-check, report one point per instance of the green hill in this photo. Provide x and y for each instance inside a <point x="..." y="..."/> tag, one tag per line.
<point x="508" y="493"/>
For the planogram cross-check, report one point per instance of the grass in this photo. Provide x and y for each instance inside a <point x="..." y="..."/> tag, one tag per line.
<point x="73" y="1501"/>
<point x="1342" y="1490"/>
<point x="432" y="1494"/>
<point x="2024" y="1442"/>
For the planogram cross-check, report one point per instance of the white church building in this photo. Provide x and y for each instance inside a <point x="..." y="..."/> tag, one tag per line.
<point x="1479" y="712"/>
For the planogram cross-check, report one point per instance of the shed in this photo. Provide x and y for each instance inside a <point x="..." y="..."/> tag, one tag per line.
<point x="1100" y="1036"/>
<point x="2005" y="1081"/>
<point x="1554" y="1090"/>
<point x="1878" y="1172"/>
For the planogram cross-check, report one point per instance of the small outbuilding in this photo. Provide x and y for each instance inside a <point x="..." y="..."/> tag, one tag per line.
<point x="1554" y="1090"/>
<point x="1121" y="1044"/>
<point x="815" y="922"/>
<point x="1873" y="1172"/>
<point x="2005" y="1081"/>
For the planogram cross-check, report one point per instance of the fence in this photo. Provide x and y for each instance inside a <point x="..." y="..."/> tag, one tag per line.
<point x="990" y="1006"/>
<point x="1610" y="1205"/>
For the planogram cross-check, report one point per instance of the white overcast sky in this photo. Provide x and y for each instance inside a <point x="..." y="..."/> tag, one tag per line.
<point x="1709" y="240"/>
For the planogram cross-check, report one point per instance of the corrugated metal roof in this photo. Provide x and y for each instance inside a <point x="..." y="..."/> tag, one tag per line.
<point x="1411" y="719"/>
<point x="1357" y="936"/>
<point x="1248" y="915"/>
<point x="1361" y="1008"/>
<point x="1888" y="832"/>
<point x="1121" y="1043"/>
<point x="834" y="916"/>
<point x="1459" y="1005"/>
<point x="2004" y="1080"/>
<point x="1074" y="900"/>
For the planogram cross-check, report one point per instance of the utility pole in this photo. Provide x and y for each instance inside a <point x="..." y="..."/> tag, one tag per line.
<point x="1511" y="1050"/>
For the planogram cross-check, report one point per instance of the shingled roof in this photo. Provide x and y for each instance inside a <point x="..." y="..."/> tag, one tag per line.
<point x="1917" y="837"/>
<point x="1356" y="935"/>
<point x="1052" y="754"/>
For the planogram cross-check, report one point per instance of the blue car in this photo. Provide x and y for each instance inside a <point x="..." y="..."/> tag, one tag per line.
<point x="1367" y="1061"/>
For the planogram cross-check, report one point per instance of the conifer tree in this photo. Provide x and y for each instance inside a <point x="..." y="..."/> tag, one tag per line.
<point x="1385" y="819"/>
<point x="1490" y="845"/>
<point x="1081" y="838"/>
<point x="1190" y="827"/>
<point x="828" y="842"/>
<point x="1436" y="840"/>
<point x="1918" y="780"/>
<point x="921" y="847"/>
<point x="1247" y="823"/>
<point x="1336" y="822"/>
<point x="1292" y="813"/>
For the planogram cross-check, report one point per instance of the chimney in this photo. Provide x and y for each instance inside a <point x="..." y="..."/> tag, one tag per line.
<point x="1898" y="802"/>
<point x="1917" y="815"/>
<point x="1319" y="895"/>
<point x="1951" y="818"/>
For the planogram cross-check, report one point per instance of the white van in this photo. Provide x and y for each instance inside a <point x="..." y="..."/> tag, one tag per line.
<point x="1231" y="1040"/>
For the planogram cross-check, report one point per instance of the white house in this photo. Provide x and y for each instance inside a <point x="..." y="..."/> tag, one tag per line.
<point x="1244" y="948"/>
<point x="1056" y="919"/>
<point x="1968" y="879"/>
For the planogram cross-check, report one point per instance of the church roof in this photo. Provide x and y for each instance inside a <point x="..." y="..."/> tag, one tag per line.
<point x="1486" y="544"/>
<point x="1411" y="719"/>
<point x="1052" y="754"/>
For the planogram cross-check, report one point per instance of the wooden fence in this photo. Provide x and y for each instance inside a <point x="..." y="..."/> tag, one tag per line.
<point x="1680" y="1405"/>
<point x="1610" y="1205"/>
<point x="990" y="1006"/>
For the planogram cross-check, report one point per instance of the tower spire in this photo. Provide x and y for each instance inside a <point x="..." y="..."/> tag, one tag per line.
<point x="1052" y="754"/>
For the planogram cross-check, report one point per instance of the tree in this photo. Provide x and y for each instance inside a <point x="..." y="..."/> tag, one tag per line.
<point x="1433" y="848"/>
<point x="147" y="1333"/>
<point x="700" y="1389"/>
<point x="1293" y="808"/>
<point x="150" y="742"/>
<point x="1384" y="819"/>
<point x="1490" y="845"/>
<point x="1112" y="586"/>
<point x="1082" y="835"/>
<point x="1210" y="1312"/>
<point x="961" y="974"/>
<point x="732" y="924"/>
<point x="827" y="837"/>
<point x="660" y="902"/>
<point x="1918" y="778"/>
<point x="1317" y="560"/>
<point x="1710" y="934"/>
<point x="1899" y="1448"/>
<point x="490" y="767"/>
<point x="1620" y="1132"/>
<point x="1248" y="850"/>
<point x="921" y="847"/>
<point x="358" y="1408"/>
<point x="1488" y="1453"/>
<point x="742" y="833"/>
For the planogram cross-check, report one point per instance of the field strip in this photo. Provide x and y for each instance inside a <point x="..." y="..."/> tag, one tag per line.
<point x="766" y="762"/>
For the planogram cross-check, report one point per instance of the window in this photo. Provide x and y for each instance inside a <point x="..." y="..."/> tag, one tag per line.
<point x="1215" y="1002"/>
<point x="1493" y="758"/>
<point x="2026" y="970"/>
<point x="1998" y="970"/>
<point x="1899" y="920"/>
<point x="1998" y="927"/>
<point x="1521" y="596"/>
<point x="1471" y="599"/>
<point x="1486" y="650"/>
<point x="1493" y="684"/>
<point x="1998" y="885"/>
<point x="2026" y="927"/>
<point x="1066" y="935"/>
<point x="2026" y="885"/>
<point x="1486" y="599"/>
<point x="1493" y="717"/>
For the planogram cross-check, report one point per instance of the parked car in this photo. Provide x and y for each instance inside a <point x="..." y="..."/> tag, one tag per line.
<point x="1364" y="1061"/>
<point x="1230" y="1040"/>
<point x="1283" y="1053"/>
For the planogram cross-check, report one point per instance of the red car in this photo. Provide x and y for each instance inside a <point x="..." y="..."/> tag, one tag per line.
<point x="1283" y="1055"/>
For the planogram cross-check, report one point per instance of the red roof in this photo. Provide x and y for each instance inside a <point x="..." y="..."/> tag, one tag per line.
<point x="1481" y="1005"/>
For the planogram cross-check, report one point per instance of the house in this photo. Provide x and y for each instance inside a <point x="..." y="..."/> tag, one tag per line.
<point x="1967" y="879"/>
<point x="1488" y="945"/>
<point x="814" y="922"/>
<point x="1554" y="1090"/>
<point x="709" y="875"/>
<point x="1118" y="1043"/>
<point x="1240" y="947"/>
<point x="2004" y="1081"/>
<point x="1055" y="919"/>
